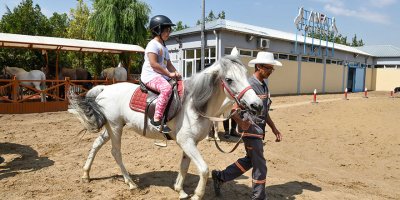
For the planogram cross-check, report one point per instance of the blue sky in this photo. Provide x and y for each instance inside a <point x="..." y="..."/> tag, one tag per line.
<point x="375" y="21"/>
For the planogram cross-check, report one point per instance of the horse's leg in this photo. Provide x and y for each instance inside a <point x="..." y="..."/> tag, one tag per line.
<point x="115" y="132"/>
<point x="97" y="144"/>
<point x="42" y="97"/>
<point x="216" y="137"/>
<point x="191" y="150"/>
<point x="185" y="162"/>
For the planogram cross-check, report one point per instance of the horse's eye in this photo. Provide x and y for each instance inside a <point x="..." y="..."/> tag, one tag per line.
<point x="228" y="80"/>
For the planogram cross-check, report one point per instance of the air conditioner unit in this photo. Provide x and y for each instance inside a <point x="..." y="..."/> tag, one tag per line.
<point x="263" y="43"/>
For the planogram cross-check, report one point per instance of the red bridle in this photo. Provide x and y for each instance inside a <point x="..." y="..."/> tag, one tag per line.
<point x="235" y="97"/>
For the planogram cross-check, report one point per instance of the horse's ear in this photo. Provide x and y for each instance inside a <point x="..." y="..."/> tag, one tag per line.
<point x="235" y="52"/>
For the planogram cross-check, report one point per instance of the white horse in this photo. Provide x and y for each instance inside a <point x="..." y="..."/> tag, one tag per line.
<point x="33" y="77"/>
<point x="109" y="106"/>
<point x="118" y="73"/>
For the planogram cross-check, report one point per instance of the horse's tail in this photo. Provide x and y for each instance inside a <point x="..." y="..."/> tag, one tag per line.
<point x="88" y="111"/>
<point x="94" y="92"/>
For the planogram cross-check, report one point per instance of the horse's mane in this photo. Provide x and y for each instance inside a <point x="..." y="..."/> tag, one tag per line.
<point x="203" y="84"/>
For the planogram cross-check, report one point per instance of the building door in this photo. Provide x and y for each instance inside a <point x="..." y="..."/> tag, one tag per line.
<point x="350" y="79"/>
<point x="355" y="81"/>
<point x="188" y="69"/>
<point x="359" y="80"/>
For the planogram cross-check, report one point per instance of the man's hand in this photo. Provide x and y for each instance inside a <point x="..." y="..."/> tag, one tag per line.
<point x="244" y="124"/>
<point x="278" y="135"/>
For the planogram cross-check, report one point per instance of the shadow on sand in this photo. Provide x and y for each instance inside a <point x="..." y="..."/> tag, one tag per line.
<point x="230" y="190"/>
<point x="27" y="160"/>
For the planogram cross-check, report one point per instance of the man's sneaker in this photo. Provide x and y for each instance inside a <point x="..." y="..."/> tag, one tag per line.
<point x="217" y="183"/>
<point x="226" y="135"/>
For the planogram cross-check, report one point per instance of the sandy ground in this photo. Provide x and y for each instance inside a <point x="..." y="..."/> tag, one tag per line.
<point x="335" y="149"/>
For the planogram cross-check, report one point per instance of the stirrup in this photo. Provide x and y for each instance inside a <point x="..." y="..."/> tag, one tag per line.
<point x="160" y="143"/>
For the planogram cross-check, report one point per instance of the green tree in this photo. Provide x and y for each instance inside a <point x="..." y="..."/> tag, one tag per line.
<point x="26" y="19"/>
<point x="211" y="17"/>
<point x="179" y="26"/>
<point x="356" y="43"/>
<point x="339" y="39"/>
<point x="221" y="15"/>
<point x="120" y="21"/>
<point x="77" y="29"/>
<point x="59" y="24"/>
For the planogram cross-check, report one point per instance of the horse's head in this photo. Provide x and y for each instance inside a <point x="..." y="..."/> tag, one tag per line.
<point x="233" y="76"/>
<point x="5" y="71"/>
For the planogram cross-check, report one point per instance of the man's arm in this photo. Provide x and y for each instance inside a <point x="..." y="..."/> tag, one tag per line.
<point x="271" y="124"/>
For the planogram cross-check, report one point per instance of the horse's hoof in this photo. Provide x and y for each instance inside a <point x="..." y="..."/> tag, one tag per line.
<point x="195" y="197"/>
<point x="132" y="186"/>
<point x="85" y="179"/>
<point x="183" y="195"/>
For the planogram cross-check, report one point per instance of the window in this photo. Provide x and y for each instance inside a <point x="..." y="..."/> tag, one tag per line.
<point x="198" y="53"/>
<point x="333" y="62"/>
<point x="228" y="51"/>
<point x="275" y="56"/>
<point x="311" y="59"/>
<point x="245" y="52"/>
<point x="212" y="52"/>
<point x="283" y="56"/>
<point x="255" y="53"/>
<point x="304" y="59"/>
<point x="328" y="61"/>
<point x="318" y="60"/>
<point x="291" y="57"/>
<point x="189" y="53"/>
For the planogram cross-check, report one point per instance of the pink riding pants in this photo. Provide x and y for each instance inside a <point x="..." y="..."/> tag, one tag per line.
<point x="161" y="85"/>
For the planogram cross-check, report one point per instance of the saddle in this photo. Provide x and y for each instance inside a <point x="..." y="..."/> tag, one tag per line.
<point x="144" y="100"/>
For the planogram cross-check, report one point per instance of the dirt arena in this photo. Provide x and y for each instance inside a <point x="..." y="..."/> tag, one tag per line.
<point x="335" y="149"/>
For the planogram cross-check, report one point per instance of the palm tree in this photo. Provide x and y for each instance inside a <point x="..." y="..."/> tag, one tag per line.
<point x="120" y="21"/>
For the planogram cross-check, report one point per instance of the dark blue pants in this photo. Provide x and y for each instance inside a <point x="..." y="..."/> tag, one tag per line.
<point x="254" y="159"/>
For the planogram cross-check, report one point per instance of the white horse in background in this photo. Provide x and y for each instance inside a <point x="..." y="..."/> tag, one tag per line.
<point x="206" y="91"/>
<point x="118" y="73"/>
<point x="35" y="78"/>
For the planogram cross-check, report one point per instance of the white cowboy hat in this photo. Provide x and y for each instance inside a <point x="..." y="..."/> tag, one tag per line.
<point x="264" y="57"/>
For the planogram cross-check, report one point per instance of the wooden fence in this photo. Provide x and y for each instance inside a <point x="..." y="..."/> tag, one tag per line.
<point x="17" y="99"/>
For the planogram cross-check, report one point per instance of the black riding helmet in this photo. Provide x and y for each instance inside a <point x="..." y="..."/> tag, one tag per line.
<point x="158" y="23"/>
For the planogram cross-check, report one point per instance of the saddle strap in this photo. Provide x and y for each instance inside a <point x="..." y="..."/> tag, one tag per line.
<point x="233" y="149"/>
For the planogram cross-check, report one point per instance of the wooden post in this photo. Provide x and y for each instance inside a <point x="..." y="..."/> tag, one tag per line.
<point x="56" y="75"/>
<point x="67" y="85"/>
<point x="14" y="92"/>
